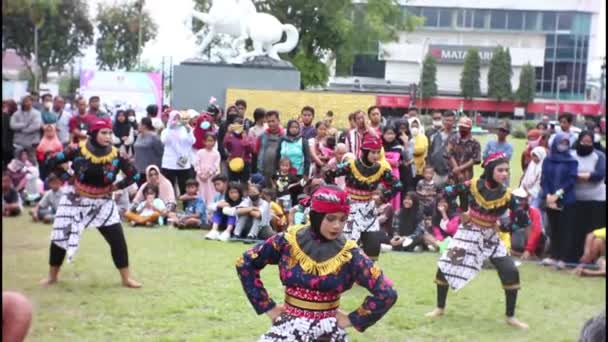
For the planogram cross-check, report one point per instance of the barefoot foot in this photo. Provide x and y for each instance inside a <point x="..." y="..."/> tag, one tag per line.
<point x="512" y="321"/>
<point x="130" y="283"/>
<point x="436" y="313"/>
<point x="46" y="282"/>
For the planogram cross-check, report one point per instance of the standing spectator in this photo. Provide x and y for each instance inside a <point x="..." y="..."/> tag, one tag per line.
<point x="375" y="119"/>
<point x="123" y="132"/>
<point x="26" y="124"/>
<point x="407" y="168"/>
<point x="48" y="117"/>
<point x="241" y="106"/>
<point x="500" y="144"/>
<point x="63" y="120"/>
<point x="413" y="114"/>
<point x="530" y="181"/>
<point x="436" y="126"/>
<point x="341" y="155"/>
<point x="239" y="149"/>
<point x="355" y="135"/>
<point x="9" y="107"/>
<point x="35" y="96"/>
<point x="152" y="112"/>
<point x="178" y="139"/>
<point x="208" y="167"/>
<point x="590" y="190"/>
<point x="307" y="115"/>
<point x="462" y="153"/>
<point x="565" y="126"/>
<point x="132" y="120"/>
<point x="256" y="131"/>
<point x="438" y="147"/>
<point x="534" y="140"/>
<point x="320" y="153"/>
<point x="427" y="191"/>
<point x="148" y="147"/>
<point x="295" y="148"/>
<point x="49" y="143"/>
<point x="557" y="182"/>
<point x="94" y="108"/>
<point x="268" y="146"/>
<point x="394" y="155"/>
<point x="232" y="113"/>
<point x="421" y="147"/>
<point x="79" y="123"/>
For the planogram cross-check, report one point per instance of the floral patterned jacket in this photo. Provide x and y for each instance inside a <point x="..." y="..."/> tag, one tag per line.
<point x="334" y="276"/>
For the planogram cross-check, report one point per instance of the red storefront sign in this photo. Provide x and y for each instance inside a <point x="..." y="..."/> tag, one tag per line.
<point x="488" y="105"/>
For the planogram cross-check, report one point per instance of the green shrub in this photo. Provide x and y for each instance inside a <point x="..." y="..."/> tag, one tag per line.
<point x="519" y="133"/>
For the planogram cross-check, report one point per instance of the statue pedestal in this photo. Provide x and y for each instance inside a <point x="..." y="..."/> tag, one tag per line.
<point x="195" y="81"/>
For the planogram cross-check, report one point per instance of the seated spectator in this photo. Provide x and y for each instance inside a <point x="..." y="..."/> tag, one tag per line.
<point x="17" y="169"/>
<point x="278" y="219"/>
<point x="595" y="246"/>
<point x="148" y="213"/>
<point x="220" y="184"/>
<point x="225" y="213"/>
<point x="165" y="189"/>
<point x="445" y="221"/>
<point x="195" y="208"/>
<point x="253" y="214"/>
<point x="600" y="271"/>
<point x="298" y="214"/>
<point x="427" y="191"/>
<point x="384" y="211"/>
<point x="408" y="227"/>
<point x="34" y="187"/>
<point x="45" y="209"/>
<point x="123" y="197"/>
<point x="16" y="316"/>
<point x="11" y="201"/>
<point x="287" y="184"/>
<point x="530" y="239"/>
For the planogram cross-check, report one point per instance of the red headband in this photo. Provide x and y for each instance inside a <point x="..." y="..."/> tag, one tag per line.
<point x="371" y="142"/>
<point x="100" y="124"/>
<point x="494" y="157"/>
<point x="330" y="200"/>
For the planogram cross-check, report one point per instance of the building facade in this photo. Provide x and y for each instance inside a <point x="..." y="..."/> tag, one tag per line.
<point x="554" y="36"/>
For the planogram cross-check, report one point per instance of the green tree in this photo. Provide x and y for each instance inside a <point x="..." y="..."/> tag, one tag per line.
<point x="62" y="27"/>
<point x="428" y="78"/>
<point x="527" y="85"/>
<point x="499" y="78"/>
<point x="469" y="78"/>
<point x="335" y="29"/>
<point x="118" y="44"/>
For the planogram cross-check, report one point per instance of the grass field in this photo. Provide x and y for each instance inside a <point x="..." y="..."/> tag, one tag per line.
<point x="191" y="293"/>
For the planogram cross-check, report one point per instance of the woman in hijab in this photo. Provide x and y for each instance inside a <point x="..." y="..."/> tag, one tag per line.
<point x="295" y="148"/>
<point x="178" y="139"/>
<point x="394" y="154"/>
<point x="316" y="265"/>
<point x="421" y="147"/>
<point x="48" y="143"/>
<point x="531" y="179"/>
<point x="123" y="132"/>
<point x="590" y="191"/>
<point x="408" y="226"/>
<point x="559" y="174"/>
<point x="407" y="168"/>
<point x="165" y="188"/>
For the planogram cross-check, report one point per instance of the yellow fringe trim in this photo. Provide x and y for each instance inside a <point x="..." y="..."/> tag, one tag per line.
<point x="326" y="267"/>
<point x="372" y="178"/>
<point x="497" y="203"/>
<point x="95" y="159"/>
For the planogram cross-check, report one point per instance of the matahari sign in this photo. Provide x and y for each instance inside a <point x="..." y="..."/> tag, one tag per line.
<point x="455" y="54"/>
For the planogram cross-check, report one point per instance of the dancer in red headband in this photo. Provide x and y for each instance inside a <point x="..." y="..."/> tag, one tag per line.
<point x="362" y="178"/>
<point x="477" y="237"/>
<point x="96" y="164"/>
<point x="316" y="265"/>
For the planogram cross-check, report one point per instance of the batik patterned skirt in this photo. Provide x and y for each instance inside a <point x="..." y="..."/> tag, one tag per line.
<point x="293" y="328"/>
<point x="75" y="213"/>
<point x="468" y="249"/>
<point x="362" y="218"/>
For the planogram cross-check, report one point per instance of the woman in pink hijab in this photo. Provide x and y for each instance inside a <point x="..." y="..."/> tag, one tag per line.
<point x="49" y="143"/>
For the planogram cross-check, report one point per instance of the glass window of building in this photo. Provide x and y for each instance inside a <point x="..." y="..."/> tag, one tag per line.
<point x="465" y="18"/>
<point x="498" y="19"/>
<point x="515" y="20"/>
<point x="479" y="19"/>
<point x="445" y="17"/>
<point x="431" y="15"/>
<point x="413" y="10"/>
<point x="565" y="20"/>
<point x="549" y="19"/>
<point x="530" y="21"/>
<point x="565" y="40"/>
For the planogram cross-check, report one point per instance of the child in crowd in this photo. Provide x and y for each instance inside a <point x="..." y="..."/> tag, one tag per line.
<point x="394" y="153"/>
<point x="287" y="184"/>
<point x="531" y="178"/>
<point x="208" y="166"/>
<point x="278" y="220"/>
<point x="225" y="213"/>
<point x="298" y="214"/>
<point x="320" y="152"/>
<point x="253" y="214"/>
<point x="195" y="209"/>
<point x="45" y="209"/>
<point x="341" y="155"/>
<point x="17" y="170"/>
<point x="384" y="211"/>
<point x="239" y="149"/>
<point x="34" y="187"/>
<point x="11" y="201"/>
<point x="427" y="191"/>
<point x="220" y="184"/>
<point x="445" y="221"/>
<point x="148" y="212"/>
<point x="123" y="197"/>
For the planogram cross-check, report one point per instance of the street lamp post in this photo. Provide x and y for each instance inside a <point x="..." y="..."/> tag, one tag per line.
<point x="602" y="84"/>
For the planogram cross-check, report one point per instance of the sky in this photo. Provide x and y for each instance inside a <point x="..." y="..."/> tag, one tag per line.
<point x="175" y="39"/>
